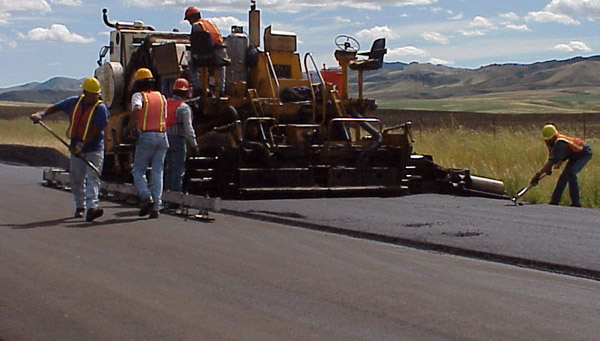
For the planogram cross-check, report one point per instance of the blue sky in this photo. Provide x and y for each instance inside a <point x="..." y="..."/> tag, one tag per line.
<point x="41" y="39"/>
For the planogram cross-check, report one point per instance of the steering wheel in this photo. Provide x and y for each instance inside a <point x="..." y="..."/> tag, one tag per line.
<point x="347" y="43"/>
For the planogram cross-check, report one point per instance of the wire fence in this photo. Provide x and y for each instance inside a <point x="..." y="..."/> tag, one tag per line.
<point x="584" y="125"/>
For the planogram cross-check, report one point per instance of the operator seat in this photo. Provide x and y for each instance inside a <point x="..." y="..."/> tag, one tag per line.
<point x="374" y="61"/>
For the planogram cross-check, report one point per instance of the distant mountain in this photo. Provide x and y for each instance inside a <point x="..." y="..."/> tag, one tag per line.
<point x="402" y="81"/>
<point x="50" y="91"/>
<point x="427" y="81"/>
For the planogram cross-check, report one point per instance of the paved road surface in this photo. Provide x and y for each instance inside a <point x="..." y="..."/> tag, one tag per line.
<point x="564" y="238"/>
<point x="129" y="278"/>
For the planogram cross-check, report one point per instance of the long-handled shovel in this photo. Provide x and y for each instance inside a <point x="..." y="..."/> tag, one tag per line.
<point x="524" y="190"/>
<point x="87" y="162"/>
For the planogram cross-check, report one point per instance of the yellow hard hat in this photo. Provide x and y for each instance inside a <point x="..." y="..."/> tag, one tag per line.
<point x="143" y="73"/>
<point x="91" y="84"/>
<point x="549" y="131"/>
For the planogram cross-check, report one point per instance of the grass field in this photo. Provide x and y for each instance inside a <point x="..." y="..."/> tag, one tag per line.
<point x="22" y="131"/>
<point x="574" y="100"/>
<point x="511" y="155"/>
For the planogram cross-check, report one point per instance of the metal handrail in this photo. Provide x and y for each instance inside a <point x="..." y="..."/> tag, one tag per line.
<point x="312" y="91"/>
<point x="273" y="76"/>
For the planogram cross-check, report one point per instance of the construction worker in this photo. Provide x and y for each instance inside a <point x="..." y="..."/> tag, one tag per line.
<point x="193" y="16"/>
<point x="563" y="148"/>
<point x="179" y="130"/>
<point x="87" y="118"/>
<point x="149" y="107"/>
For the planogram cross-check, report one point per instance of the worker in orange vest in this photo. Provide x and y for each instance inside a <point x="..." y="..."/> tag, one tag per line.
<point x="149" y="108"/>
<point x="180" y="133"/>
<point x="194" y="17"/>
<point x="563" y="148"/>
<point x="87" y="118"/>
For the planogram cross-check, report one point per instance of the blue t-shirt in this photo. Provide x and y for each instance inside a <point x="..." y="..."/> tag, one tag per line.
<point x="100" y="119"/>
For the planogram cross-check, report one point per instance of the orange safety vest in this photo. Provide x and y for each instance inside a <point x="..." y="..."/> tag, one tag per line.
<point x="212" y="29"/>
<point x="576" y="144"/>
<point x="172" y="106"/>
<point x="80" y="121"/>
<point x="152" y="117"/>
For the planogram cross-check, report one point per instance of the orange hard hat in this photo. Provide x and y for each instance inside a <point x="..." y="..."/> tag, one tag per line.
<point x="181" y="84"/>
<point x="191" y="11"/>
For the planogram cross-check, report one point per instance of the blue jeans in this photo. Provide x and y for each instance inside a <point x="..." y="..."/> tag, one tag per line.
<point x="175" y="163"/>
<point x="85" y="183"/>
<point x="569" y="175"/>
<point x="150" y="150"/>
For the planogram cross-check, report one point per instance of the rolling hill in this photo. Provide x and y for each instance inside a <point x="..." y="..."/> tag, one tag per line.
<point x="427" y="81"/>
<point x="50" y="91"/>
<point x="570" y="85"/>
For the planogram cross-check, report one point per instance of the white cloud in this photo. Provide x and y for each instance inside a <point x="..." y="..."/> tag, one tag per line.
<point x="438" y="61"/>
<point x="457" y="17"/>
<point x="509" y="16"/>
<point x="377" y="32"/>
<point x="584" y="8"/>
<point x="56" y="33"/>
<point x="406" y="51"/>
<point x="522" y="28"/>
<point x="480" y="21"/>
<point x="224" y="23"/>
<point x="435" y="37"/>
<point x="342" y="20"/>
<point x="67" y="2"/>
<point x="470" y="33"/>
<point x="546" y="16"/>
<point x="574" y="45"/>
<point x="7" y="7"/>
<point x="280" y="5"/>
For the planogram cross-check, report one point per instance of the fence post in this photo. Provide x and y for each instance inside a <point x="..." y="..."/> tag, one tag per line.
<point x="584" y="126"/>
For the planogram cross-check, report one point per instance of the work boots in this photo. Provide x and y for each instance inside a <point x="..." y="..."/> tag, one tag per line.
<point x="93" y="213"/>
<point x="79" y="211"/>
<point x="145" y="206"/>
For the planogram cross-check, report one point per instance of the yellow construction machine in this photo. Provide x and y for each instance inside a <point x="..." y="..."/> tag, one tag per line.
<point x="282" y="128"/>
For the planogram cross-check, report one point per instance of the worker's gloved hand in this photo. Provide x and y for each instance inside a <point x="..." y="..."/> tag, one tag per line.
<point x="535" y="180"/>
<point x="37" y="117"/>
<point x="76" y="149"/>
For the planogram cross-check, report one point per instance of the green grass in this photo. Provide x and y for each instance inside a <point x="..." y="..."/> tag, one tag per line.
<point x="512" y="156"/>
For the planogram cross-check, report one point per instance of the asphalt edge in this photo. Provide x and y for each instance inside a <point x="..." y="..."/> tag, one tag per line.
<point x="423" y="245"/>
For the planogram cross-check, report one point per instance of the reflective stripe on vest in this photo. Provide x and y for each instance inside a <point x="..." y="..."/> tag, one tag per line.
<point x="76" y="129"/>
<point x="172" y="106"/>
<point x="576" y="144"/>
<point x="152" y="117"/>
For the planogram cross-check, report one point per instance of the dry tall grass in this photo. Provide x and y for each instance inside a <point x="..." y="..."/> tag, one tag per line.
<point x="511" y="155"/>
<point x="22" y="131"/>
